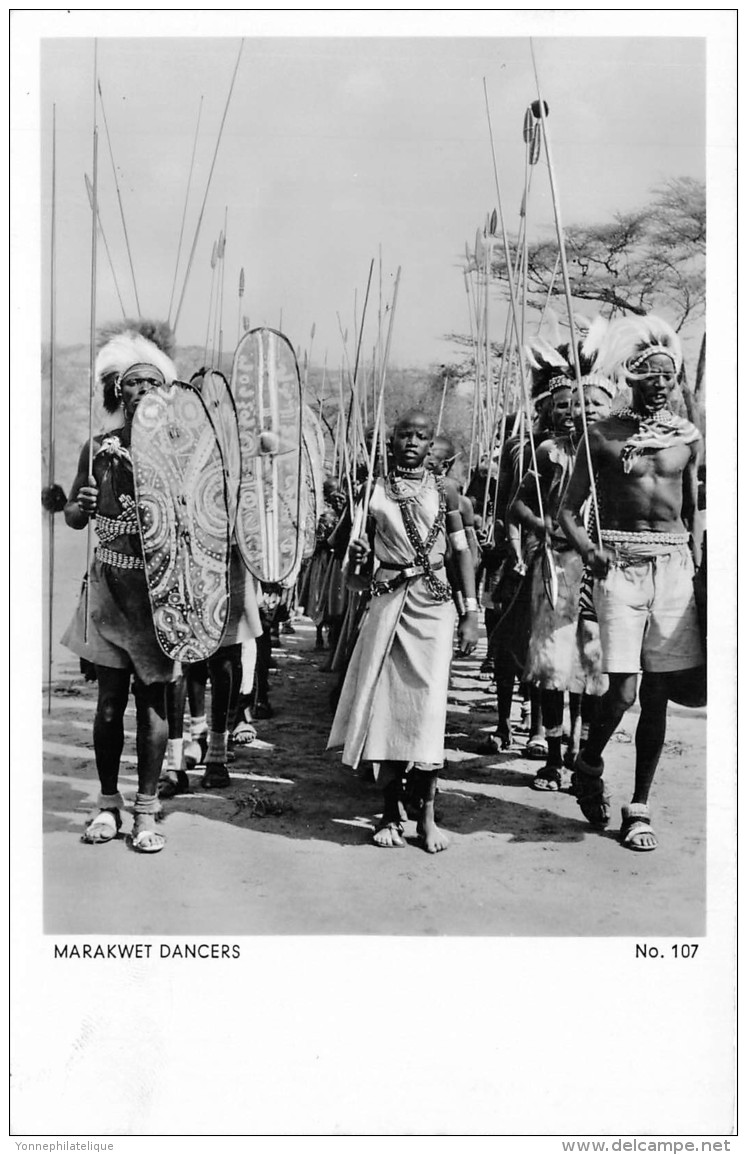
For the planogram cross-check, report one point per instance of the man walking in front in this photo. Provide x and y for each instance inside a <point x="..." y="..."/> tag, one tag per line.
<point x="644" y="461"/>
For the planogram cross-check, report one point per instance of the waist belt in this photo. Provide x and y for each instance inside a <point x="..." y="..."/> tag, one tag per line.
<point x="119" y="560"/>
<point x="404" y="573"/>
<point x="644" y="537"/>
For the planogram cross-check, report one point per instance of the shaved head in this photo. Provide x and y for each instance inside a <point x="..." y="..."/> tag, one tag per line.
<point x="415" y="416"/>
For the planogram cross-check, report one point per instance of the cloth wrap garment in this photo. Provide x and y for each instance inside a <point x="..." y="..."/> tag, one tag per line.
<point x="565" y="651"/>
<point x="393" y="702"/>
<point x="120" y="625"/>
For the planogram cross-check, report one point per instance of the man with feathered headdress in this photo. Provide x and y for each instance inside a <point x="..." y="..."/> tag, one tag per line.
<point x="563" y="652"/>
<point x="644" y="460"/>
<point x="119" y="638"/>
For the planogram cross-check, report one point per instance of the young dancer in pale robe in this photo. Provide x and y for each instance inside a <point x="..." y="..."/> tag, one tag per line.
<point x="392" y="708"/>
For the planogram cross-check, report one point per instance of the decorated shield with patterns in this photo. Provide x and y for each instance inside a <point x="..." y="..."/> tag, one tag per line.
<point x="183" y="515"/>
<point x="312" y="493"/>
<point x="266" y="388"/>
<point x="222" y="410"/>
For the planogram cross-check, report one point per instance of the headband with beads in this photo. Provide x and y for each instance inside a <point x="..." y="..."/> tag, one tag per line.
<point x="652" y="351"/>
<point x="599" y="381"/>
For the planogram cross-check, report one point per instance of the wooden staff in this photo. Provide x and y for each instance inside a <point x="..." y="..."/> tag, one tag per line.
<point x="52" y="368"/>
<point x="542" y="110"/>
<point x="92" y="372"/>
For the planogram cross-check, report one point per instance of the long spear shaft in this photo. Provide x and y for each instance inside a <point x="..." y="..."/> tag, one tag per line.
<point x="217" y="301"/>
<point x="521" y="265"/>
<point x="441" y="406"/>
<point x="207" y="187"/>
<point x="241" y="294"/>
<point x="357" y="351"/>
<point x="514" y="309"/>
<point x="92" y="372"/>
<point x="89" y="190"/>
<point x="380" y="408"/>
<point x="568" y="298"/>
<point x="222" y="286"/>
<point x="213" y="262"/>
<point x="184" y="213"/>
<point x="550" y="288"/>
<point x="119" y="197"/>
<point x="52" y="367"/>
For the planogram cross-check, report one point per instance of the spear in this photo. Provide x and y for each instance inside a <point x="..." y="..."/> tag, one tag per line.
<point x="52" y="367"/>
<point x="540" y="110"/>
<point x="358" y="347"/>
<point x="514" y="309"/>
<point x="213" y="262"/>
<point x="307" y="361"/>
<point x="241" y="294"/>
<point x="218" y="250"/>
<point x="207" y="187"/>
<point x="89" y="190"/>
<point x="441" y="406"/>
<point x="92" y="373"/>
<point x="380" y="409"/>
<point x="222" y="256"/>
<point x="531" y="155"/>
<point x="184" y="213"/>
<point x="119" y="197"/>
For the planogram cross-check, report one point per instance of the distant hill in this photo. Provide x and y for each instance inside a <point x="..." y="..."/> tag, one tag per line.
<point x="405" y="387"/>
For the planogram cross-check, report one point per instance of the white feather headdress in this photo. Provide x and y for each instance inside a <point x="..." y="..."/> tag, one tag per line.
<point x="632" y="339"/>
<point x="130" y="348"/>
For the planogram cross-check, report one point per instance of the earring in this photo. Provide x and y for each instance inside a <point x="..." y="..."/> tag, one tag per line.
<point x="117" y="390"/>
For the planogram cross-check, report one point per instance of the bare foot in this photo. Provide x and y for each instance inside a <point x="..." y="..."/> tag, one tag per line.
<point x="389" y="834"/>
<point x="432" y="837"/>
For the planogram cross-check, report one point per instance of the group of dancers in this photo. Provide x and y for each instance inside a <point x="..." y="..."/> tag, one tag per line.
<point x="586" y="561"/>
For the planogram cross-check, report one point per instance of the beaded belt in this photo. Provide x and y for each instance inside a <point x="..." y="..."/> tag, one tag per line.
<point x="404" y="573"/>
<point x="110" y="528"/>
<point x="120" y="560"/>
<point x="644" y="537"/>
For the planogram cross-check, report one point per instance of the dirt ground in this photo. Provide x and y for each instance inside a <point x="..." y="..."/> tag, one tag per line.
<point x="286" y="848"/>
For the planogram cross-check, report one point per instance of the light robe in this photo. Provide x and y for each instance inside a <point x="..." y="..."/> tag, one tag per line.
<point x="393" y="702"/>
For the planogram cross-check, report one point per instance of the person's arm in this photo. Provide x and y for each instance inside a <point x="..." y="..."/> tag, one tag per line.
<point x="569" y="515"/>
<point x="467" y="630"/>
<point x="84" y="493"/>
<point x="523" y="510"/>
<point x="690" y="500"/>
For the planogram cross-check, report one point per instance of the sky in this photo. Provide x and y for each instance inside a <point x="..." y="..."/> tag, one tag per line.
<point x="336" y="150"/>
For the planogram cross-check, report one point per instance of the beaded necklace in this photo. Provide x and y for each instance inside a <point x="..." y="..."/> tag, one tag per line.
<point x="438" y="590"/>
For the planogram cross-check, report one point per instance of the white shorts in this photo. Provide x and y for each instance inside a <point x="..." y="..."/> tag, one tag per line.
<point x="647" y="615"/>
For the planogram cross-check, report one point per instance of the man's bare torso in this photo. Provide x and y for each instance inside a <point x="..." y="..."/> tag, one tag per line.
<point x="650" y="496"/>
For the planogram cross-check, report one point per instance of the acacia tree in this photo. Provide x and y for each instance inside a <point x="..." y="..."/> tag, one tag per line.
<point x="649" y="258"/>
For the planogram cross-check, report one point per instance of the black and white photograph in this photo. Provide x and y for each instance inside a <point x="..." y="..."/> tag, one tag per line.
<point x="379" y="743"/>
